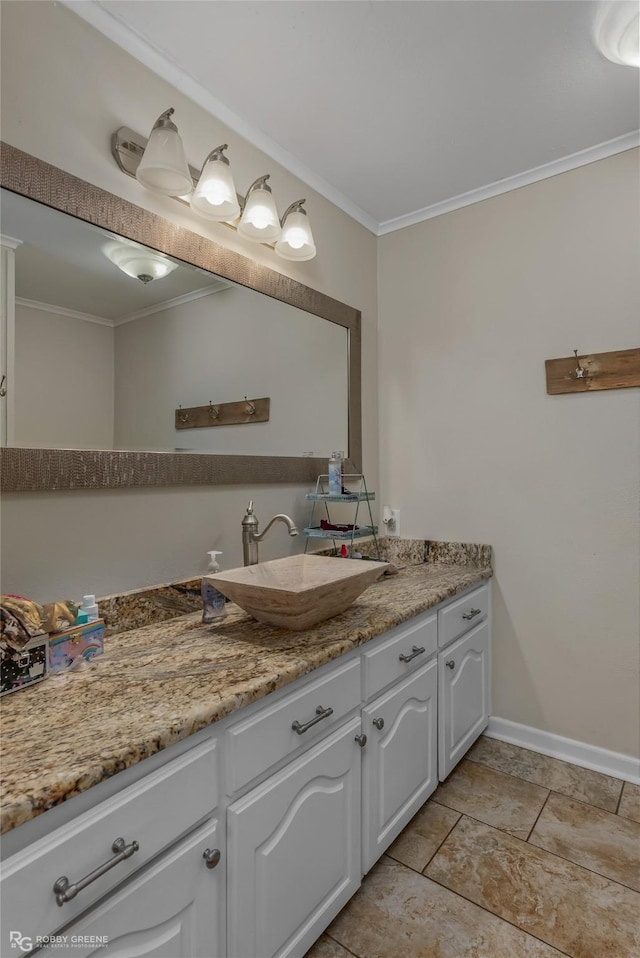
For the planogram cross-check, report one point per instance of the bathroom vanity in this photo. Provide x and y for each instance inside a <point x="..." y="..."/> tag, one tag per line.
<point x="260" y="773"/>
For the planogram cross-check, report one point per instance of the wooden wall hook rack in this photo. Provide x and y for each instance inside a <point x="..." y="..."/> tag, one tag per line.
<point x="223" y="413"/>
<point x="583" y="374"/>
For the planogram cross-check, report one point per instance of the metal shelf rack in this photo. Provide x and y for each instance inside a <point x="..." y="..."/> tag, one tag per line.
<point x="322" y="496"/>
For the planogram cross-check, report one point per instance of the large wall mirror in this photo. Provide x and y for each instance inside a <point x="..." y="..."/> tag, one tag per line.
<point x="98" y="359"/>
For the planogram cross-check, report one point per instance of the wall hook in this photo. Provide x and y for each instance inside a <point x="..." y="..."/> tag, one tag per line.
<point x="214" y="412"/>
<point x="250" y="407"/>
<point x="581" y="372"/>
<point x="3" y="388"/>
<point x="184" y="417"/>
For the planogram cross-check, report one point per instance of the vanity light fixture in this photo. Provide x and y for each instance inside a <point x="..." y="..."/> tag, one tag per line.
<point x="296" y="241"/>
<point x="163" y="167"/>
<point x="259" y="221"/>
<point x="215" y="193"/>
<point x="160" y="165"/>
<point x="142" y="264"/>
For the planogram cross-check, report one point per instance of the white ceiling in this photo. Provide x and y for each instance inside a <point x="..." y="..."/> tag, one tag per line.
<point x="396" y="110"/>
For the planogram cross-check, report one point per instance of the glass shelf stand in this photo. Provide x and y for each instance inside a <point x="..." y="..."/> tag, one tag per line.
<point x="355" y="492"/>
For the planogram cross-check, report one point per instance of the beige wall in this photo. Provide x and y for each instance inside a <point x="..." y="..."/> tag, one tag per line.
<point x="65" y="89"/>
<point x="220" y="348"/>
<point x="471" y="305"/>
<point x="63" y="381"/>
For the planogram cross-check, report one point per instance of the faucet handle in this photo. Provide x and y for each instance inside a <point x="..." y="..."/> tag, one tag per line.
<point x="250" y="508"/>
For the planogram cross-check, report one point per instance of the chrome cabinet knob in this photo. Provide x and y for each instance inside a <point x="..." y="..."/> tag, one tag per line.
<point x="361" y="740"/>
<point x="211" y="857"/>
<point x="450" y="664"/>
<point x="379" y="723"/>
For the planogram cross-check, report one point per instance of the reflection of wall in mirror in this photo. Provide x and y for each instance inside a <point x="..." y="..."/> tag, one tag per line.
<point x="64" y="381"/>
<point x="218" y="349"/>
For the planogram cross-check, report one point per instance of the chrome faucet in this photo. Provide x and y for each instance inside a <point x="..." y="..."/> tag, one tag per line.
<point x="251" y="537"/>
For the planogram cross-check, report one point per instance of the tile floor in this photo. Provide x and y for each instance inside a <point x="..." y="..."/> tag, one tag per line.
<point x="516" y="855"/>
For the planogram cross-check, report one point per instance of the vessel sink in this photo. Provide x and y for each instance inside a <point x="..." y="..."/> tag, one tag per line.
<point x="300" y="591"/>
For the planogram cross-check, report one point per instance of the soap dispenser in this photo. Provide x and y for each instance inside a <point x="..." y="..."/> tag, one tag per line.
<point x="213" y="601"/>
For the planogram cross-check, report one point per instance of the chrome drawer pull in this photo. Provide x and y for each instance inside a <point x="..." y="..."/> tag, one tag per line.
<point x="450" y="664"/>
<point x="417" y="650"/>
<point x="211" y="857"/>
<point x="471" y="614"/>
<point x="65" y="891"/>
<point x="321" y="713"/>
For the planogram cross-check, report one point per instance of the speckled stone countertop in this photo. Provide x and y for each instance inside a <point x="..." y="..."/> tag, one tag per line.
<point x="158" y="684"/>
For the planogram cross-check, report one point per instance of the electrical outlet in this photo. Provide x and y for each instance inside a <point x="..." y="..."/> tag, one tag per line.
<point x="390" y="521"/>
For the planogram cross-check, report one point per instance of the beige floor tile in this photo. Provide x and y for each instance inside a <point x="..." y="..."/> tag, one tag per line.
<point x="424" y="834"/>
<point x="493" y="797"/>
<point x="630" y="802"/>
<point x="400" y="914"/>
<point x="576" y="911"/>
<point x="325" y="947"/>
<point x="589" y="836"/>
<point x="581" y="783"/>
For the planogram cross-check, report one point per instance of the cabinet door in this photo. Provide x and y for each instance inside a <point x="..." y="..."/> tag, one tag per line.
<point x="400" y="761"/>
<point x="294" y="850"/>
<point x="174" y="908"/>
<point x="464" y="675"/>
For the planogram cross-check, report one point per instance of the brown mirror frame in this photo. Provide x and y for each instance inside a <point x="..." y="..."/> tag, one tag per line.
<point x="25" y="470"/>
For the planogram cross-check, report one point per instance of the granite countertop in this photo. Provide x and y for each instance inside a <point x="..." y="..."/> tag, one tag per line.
<point x="156" y="685"/>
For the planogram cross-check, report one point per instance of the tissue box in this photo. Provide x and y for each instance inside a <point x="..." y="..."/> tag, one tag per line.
<point x="26" y="666"/>
<point x="86" y="640"/>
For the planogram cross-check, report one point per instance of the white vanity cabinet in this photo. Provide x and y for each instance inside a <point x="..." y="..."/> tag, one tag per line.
<point x="464" y="676"/>
<point x="251" y="837"/>
<point x="121" y="845"/>
<point x="174" y="908"/>
<point x="400" y="761"/>
<point x="293" y="847"/>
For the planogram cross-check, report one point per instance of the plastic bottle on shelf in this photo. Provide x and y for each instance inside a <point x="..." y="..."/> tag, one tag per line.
<point x="335" y="473"/>
<point x="213" y="602"/>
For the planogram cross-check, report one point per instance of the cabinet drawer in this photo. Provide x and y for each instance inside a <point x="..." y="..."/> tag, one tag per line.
<point x="383" y="665"/>
<point x="268" y="735"/>
<point x="153" y="812"/>
<point x="461" y="615"/>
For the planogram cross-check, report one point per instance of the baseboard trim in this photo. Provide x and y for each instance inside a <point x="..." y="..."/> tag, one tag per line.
<point x="566" y="749"/>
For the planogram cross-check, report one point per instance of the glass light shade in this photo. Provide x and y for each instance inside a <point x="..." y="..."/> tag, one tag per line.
<point x="142" y="264"/>
<point x="259" y="221"/>
<point x="163" y="167"/>
<point x="215" y="193"/>
<point x="618" y="32"/>
<point x="296" y="241"/>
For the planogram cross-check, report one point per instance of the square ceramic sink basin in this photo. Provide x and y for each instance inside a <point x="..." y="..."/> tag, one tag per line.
<point x="299" y="591"/>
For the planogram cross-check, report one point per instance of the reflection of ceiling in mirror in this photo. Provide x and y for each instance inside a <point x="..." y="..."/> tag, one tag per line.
<point x="103" y="359"/>
<point x="62" y="262"/>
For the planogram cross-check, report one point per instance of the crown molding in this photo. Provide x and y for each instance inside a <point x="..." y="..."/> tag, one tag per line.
<point x="127" y="39"/>
<point x="156" y="61"/>
<point x="170" y="303"/>
<point x="566" y="163"/>
<point x="9" y="241"/>
<point x="63" y="311"/>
